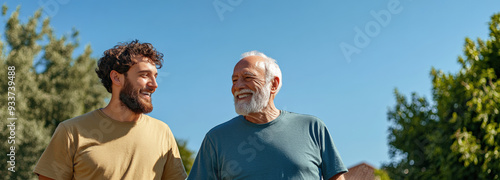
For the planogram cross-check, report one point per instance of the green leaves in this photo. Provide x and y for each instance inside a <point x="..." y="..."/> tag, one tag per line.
<point x="457" y="137"/>
<point x="467" y="145"/>
<point x="50" y="86"/>
<point x="186" y="154"/>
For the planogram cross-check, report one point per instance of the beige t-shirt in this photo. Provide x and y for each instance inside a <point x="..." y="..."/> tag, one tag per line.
<point x="94" y="146"/>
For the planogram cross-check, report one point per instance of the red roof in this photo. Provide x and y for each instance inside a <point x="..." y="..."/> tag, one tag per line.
<point x="361" y="171"/>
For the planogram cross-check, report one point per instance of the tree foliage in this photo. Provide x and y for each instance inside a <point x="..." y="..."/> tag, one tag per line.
<point x="50" y="86"/>
<point x="186" y="154"/>
<point x="458" y="135"/>
<point x="381" y="174"/>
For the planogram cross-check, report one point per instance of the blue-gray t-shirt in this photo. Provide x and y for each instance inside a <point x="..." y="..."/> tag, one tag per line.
<point x="293" y="146"/>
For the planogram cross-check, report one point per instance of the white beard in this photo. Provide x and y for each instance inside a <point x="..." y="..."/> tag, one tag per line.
<point x="257" y="103"/>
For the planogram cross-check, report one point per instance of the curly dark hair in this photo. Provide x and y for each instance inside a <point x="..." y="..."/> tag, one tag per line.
<point x="119" y="58"/>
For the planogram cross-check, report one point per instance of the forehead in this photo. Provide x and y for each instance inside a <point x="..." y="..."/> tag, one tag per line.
<point x="252" y="64"/>
<point x="142" y="64"/>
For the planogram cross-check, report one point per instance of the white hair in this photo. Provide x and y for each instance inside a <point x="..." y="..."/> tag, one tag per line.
<point x="271" y="67"/>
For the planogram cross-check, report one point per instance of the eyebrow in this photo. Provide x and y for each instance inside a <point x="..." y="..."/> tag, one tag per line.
<point x="245" y="73"/>
<point x="147" y="71"/>
<point x="249" y="73"/>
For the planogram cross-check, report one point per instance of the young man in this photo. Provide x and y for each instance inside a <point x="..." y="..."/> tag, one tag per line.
<point x="118" y="141"/>
<point x="265" y="142"/>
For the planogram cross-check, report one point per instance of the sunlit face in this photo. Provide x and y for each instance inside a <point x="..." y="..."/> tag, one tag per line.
<point x="140" y="84"/>
<point x="250" y="90"/>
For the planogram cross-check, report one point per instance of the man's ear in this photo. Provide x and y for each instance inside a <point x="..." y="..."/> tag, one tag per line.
<point x="117" y="78"/>
<point x="275" y="84"/>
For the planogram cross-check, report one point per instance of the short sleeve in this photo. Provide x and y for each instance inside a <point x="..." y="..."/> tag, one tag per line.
<point x="331" y="162"/>
<point x="173" y="169"/>
<point x="205" y="164"/>
<point x="56" y="161"/>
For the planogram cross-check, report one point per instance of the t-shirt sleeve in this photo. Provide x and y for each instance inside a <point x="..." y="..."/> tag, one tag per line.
<point x="56" y="161"/>
<point x="205" y="164"/>
<point x="173" y="169"/>
<point x="331" y="162"/>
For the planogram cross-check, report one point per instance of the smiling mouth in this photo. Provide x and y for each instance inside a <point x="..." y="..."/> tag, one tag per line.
<point x="242" y="95"/>
<point x="147" y="94"/>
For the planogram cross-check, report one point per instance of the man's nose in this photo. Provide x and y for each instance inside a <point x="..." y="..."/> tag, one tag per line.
<point x="153" y="84"/>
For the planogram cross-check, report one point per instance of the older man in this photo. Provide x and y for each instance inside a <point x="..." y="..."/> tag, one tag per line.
<point x="264" y="142"/>
<point x="118" y="141"/>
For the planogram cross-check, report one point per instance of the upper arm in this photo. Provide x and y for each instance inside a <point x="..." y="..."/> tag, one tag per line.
<point x="173" y="169"/>
<point x="331" y="164"/>
<point x="41" y="177"/>
<point x="56" y="160"/>
<point x="205" y="166"/>
<point x="339" y="176"/>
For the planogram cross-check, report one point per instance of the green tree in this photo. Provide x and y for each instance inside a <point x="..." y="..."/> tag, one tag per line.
<point x="458" y="135"/>
<point x="381" y="174"/>
<point x="51" y="85"/>
<point x="186" y="154"/>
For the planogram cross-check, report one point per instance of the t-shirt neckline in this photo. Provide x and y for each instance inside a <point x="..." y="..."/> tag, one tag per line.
<point x="129" y="123"/>
<point x="278" y="119"/>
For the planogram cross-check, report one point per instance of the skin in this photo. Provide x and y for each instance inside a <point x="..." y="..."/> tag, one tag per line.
<point x="41" y="177"/>
<point x="142" y="75"/>
<point x="249" y="73"/>
<point x="338" y="176"/>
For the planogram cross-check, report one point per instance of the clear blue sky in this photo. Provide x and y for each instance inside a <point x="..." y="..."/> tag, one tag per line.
<point x="351" y="96"/>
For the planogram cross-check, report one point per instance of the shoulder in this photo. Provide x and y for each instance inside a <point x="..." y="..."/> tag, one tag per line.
<point x="155" y="123"/>
<point x="70" y="128"/>
<point x="86" y="118"/>
<point x="302" y="118"/>
<point x="230" y="125"/>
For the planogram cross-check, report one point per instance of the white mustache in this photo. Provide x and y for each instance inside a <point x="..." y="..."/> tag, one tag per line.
<point x="236" y="93"/>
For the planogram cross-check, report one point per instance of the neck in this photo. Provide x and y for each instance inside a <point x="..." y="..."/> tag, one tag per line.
<point x="268" y="114"/>
<point x="116" y="110"/>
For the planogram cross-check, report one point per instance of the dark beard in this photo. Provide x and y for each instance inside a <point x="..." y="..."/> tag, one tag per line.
<point x="130" y="97"/>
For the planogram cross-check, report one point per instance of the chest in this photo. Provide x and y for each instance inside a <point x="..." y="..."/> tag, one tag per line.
<point x="118" y="154"/>
<point x="280" y="155"/>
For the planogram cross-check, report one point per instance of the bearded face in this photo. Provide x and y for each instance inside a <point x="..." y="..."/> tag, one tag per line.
<point x="259" y="100"/>
<point x="131" y="97"/>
